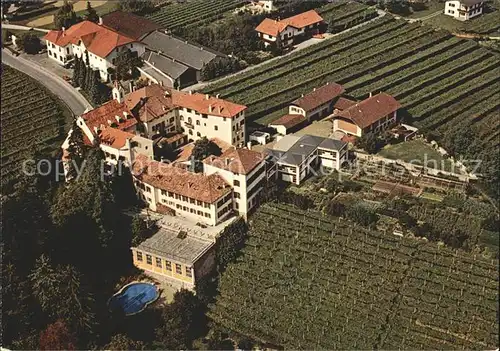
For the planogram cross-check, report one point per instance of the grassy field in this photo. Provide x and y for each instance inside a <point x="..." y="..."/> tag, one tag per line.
<point x="419" y="153"/>
<point x="308" y="281"/>
<point x="32" y="120"/>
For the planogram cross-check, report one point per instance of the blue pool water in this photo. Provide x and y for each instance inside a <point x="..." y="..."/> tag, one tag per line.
<point x="134" y="298"/>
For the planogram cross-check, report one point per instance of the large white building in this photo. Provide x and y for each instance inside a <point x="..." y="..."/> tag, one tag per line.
<point x="97" y="43"/>
<point x="463" y="10"/>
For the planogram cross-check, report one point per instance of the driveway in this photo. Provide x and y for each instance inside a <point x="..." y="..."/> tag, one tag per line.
<point x="75" y="101"/>
<point x="298" y="47"/>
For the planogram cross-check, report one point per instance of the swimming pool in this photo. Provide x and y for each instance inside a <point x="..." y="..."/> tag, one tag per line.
<point x="133" y="298"/>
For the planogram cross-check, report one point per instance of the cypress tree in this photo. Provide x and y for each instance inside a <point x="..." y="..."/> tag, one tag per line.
<point x="94" y="89"/>
<point x="75" y="150"/>
<point x="91" y="14"/>
<point x="82" y="74"/>
<point x="76" y="72"/>
<point x="89" y="76"/>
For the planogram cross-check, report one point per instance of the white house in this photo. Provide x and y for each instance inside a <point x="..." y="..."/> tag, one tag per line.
<point x="463" y="10"/>
<point x="299" y="157"/>
<point x="285" y="32"/>
<point x="245" y="171"/>
<point x="98" y="44"/>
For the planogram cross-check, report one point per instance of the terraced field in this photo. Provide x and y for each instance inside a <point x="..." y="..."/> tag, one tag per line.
<point x="309" y="281"/>
<point x="437" y="77"/>
<point x="193" y="13"/>
<point x="32" y="119"/>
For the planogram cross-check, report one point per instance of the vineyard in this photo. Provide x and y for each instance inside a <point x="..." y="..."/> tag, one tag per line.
<point x="343" y="15"/>
<point x="192" y="13"/>
<point x="31" y="120"/>
<point x="439" y="79"/>
<point x="307" y="281"/>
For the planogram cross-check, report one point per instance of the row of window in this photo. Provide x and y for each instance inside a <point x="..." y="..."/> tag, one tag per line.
<point x="185" y="198"/>
<point x="225" y="199"/>
<point x="168" y="264"/>
<point x="193" y="211"/>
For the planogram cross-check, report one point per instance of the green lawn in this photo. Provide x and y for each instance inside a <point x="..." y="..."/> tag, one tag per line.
<point x="417" y="152"/>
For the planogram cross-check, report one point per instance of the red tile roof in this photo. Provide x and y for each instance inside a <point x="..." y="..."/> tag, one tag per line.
<point x="273" y="27"/>
<point x="206" y="104"/>
<point x="114" y="137"/>
<point x="129" y="24"/>
<point x="179" y="181"/>
<point x="149" y="102"/>
<point x="289" y="121"/>
<point x="370" y="110"/>
<point x="240" y="161"/>
<point x="319" y="96"/>
<point x="343" y="104"/>
<point x="97" y="39"/>
<point x="105" y="115"/>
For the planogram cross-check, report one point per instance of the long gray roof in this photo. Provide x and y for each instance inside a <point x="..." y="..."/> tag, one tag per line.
<point x="166" y="244"/>
<point x="303" y="147"/>
<point x="179" y="50"/>
<point x="166" y="65"/>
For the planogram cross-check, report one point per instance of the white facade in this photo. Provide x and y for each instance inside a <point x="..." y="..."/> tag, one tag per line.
<point x="245" y="187"/>
<point x="197" y="125"/>
<point x="195" y="210"/>
<point x="462" y="11"/>
<point x="64" y="55"/>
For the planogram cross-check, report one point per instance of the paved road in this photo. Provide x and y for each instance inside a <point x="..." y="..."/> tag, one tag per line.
<point x="75" y="101"/>
<point x="301" y="46"/>
<point x="18" y="27"/>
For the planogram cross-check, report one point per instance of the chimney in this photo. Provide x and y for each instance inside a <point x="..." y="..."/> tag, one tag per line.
<point x="100" y="21"/>
<point x="125" y="114"/>
<point x="207" y="96"/>
<point x="370" y="94"/>
<point x="327" y="83"/>
<point x="110" y="122"/>
<point x="164" y="108"/>
<point x="190" y="92"/>
<point x="217" y="96"/>
<point x="314" y="89"/>
<point x="210" y="108"/>
<point x="131" y="86"/>
<point x="249" y="145"/>
<point x="218" y="109"/>
<point x="117" y="118"/>
<point x="96" y="130"/>
<point x="301" y="95"/>
<point x="227" y="161"/>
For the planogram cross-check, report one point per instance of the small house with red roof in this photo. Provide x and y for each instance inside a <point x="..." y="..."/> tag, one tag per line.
<point x="288" y="31"/>
<point x="97" y="43"/>
<point x="315" y="105"/>
<point x="372" y="115"/>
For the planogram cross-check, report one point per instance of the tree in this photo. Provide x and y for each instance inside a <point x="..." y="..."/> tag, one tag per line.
<point x="65" y="16"/>
<point x="77" y="72"/>
<point x="57" y="337"/>
<point x="122" y="342"/>
<point x="89" y="79"/>
<point x="94" y="89"/>
<point x="369" y="143"/>
<point x="140" y="230"/>
<point x="29" y="43"/>
<point x="230" y="243"/>
<point x="82" y="74"/>
<point x="246" y="344"/>
<point x="136" y="6"/>
<point x="75" y="151"/>
<point x="361" y="215"/>
<point x="182" y="322"/>
<point x="91" y="14"/>
<point x="334" y="208"/>
<point x="126" y="64"/>
<point x="202" y="149"/>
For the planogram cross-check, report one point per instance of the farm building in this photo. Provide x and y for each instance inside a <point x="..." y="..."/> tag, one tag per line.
<point x="288" y="123"/>
<point x="288" y="31"/>
<point x="374" y="114"/>
<point x="172" y="61"/>
<point x="464" y="10"/>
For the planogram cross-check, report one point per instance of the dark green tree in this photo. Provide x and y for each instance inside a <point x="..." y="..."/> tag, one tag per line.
<point x="369" y="143"/>
<point x="65" y="16"/>
<point x="76" y="151"/>
<point x="334" y="208"/>
<point x="82" y="74"/>
<point x="361" y="215"/>
<point x="29" y="43"/>
<point x="76" y="72"/>
<point x="121" y="342"/>
<point x="136" y="6"/>
<point x="89" y="79"/>
<point x="182" y="322"/>
<point x="95" y="87"/>
<point x="91" y="14"/>
<point x="140" y="230"/>
<point x="126" y="63"/>
<point x="202" y="149"/>
<point x="57" y="336"/>
<point x="230" y="242"/>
